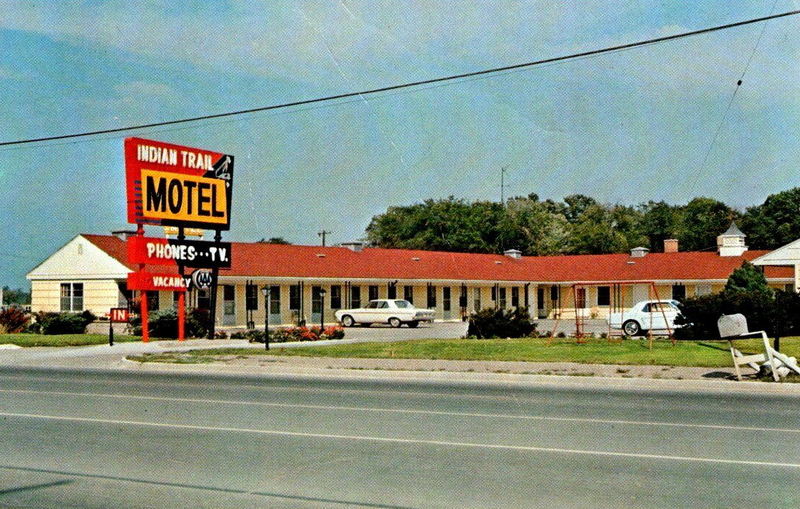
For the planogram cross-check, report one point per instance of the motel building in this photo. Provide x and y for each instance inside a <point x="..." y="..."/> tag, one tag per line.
<point x="90" y="272"/>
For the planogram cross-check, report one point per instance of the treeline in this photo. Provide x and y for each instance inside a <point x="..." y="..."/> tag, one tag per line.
<point x="580" y="225"/>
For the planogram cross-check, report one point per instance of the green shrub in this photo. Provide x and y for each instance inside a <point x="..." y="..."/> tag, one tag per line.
<point x="500" y="323"/>
<point x="13" y="320"/>
<point x="63" y="323"/>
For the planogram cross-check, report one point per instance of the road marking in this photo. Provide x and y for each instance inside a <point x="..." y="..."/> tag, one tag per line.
<point x="404" y="411"/>
<point x="413" y="441"/>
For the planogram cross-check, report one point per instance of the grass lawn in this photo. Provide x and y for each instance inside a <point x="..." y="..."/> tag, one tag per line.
<point x="594" y="351"/>
<point x="62" y="339"/>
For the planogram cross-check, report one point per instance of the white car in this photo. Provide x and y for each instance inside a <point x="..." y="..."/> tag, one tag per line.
<point x="648" y="315"/>
<point x="395" y="312"/>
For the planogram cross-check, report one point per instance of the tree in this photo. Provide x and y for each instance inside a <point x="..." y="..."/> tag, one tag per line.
<point x="703" y="220"/>
<point x="602" y="229"/>
<point x="577" y="205"/>
<point x="747" y="278"/>
<point x="274" y="240"/>
<point x="660" y="221"/>
<point x="775" y="222"/>
<point x="18" y="296"/>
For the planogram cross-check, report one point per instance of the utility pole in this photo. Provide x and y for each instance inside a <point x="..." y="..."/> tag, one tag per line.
<point x="322" y="234"/>
<point x="503" y="186"/>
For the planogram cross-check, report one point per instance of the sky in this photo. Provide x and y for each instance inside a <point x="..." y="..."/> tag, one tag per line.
<point x="625" y="127"/>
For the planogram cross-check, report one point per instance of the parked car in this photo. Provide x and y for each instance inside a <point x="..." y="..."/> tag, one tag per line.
<point x="395" y="312"/>
<point x="648" y="315"/>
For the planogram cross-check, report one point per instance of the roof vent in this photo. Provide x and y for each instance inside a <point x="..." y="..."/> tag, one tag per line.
<point x="497" y="262"/>
<point x="639" y="252"/>
<point x="415" y="258"/>
<point x="731" y="243"/>
<point x="513" y="253"/>
<point x="123" y="234"/>
<point x="320" y="255"/>
<point x="354" y="246"/>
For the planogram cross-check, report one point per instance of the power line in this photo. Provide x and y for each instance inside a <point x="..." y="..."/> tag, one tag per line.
<point x="409" y="84"/>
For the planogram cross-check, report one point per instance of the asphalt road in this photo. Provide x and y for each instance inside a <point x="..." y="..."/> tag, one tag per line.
<point x="123" y="439"/>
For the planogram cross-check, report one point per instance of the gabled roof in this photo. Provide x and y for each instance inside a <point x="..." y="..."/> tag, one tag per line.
<point x="788" y="255"/>
<point x="295" y="261"/>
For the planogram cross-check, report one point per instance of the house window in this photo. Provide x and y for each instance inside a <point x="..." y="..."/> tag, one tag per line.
<point x="294" y="297"/>
<point x="678" y="292"/>
<point x="502" y="292"/>
<point x="446" y="298"/>
<point x="355" y="297"/>
<point x="72" y="297"/>
<point x="372" y="291"/>
<point x="408" y="293"/>
<point x="603" y="295"/>
<point x="431" y="296"/>
<point x="336" y="297"/>
<point x="476" y="299"/>
<point x="514" y="297"/>
<point x="251" y="297"/>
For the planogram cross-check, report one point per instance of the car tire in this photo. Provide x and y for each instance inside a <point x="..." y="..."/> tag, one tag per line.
<point x="395" y="322"/>
<point x="631" y="328"/>
<point x="413" y="324"/>
<point x="347" y="321"/>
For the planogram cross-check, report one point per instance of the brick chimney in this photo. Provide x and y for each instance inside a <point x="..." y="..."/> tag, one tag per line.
<point x="670" y="245"/>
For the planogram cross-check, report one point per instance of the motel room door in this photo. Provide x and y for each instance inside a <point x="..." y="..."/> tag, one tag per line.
<point x="316" y="305"/>
<point x="228" y="305"/>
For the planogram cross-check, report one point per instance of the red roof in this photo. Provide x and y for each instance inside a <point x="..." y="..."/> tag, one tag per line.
<point x="280" y="260"/>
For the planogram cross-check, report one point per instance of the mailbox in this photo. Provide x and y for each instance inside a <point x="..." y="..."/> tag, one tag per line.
<point x="732" y="325"/>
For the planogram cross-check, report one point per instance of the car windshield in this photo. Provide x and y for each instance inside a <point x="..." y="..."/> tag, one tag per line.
<point x="402" y="304"/>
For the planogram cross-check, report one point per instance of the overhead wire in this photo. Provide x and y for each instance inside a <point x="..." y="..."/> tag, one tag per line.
<point x="418" y="83"/>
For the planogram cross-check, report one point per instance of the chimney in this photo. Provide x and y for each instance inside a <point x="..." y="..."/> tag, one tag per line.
<point x="513" y="253"/>
<point x="123" y="234"/>
<point x="354" y="246"/>
<point x="639" y="252"/>
<point x="670" y="245"/>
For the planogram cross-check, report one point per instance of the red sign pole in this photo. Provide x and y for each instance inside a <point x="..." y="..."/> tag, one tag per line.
<point x="143" y="293"/>
<point x="181" y="316"/>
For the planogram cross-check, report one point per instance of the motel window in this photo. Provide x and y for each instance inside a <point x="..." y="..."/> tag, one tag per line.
<point x="294" y="297"/>
<point x="251" y="297"/>
<point x="555" y="294"/>
<point x="431" y="296"/>
<point x="391" y="292"/>
<point x="336" y="297"/>
<point x="788" y="287"/>
<point x="514" y="297"/>
<point x="678" y="292"/>
<point x="408" y="293"/>
<point x="494" y="294"/>
<point x="502" y="292"/>
<point x="229" y="299"/>
<point x="704" y="289"/>
<point x="446" y="298"/>
<point x="204" y="299"/>
<point x="175" y="299"/>
<point x="274" y="300"/>
<point x="603" y="295"/>
<point x="372" y="291"/>
<point x="540" y="298"/>
<point x="462" y="298"/>
<point x="476" y="299"/>
<point x="355" y="297"/>
<point x="72" y="297"/>
<point x="316" y="299"/>
<point x="124" y="296"/>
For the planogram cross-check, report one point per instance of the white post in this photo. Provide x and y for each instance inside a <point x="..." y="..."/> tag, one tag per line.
<point x="1" y="297"/>
<point x="797" y="277"/>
